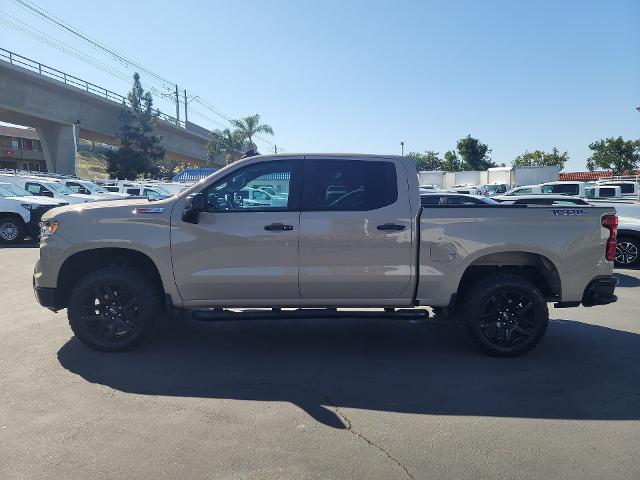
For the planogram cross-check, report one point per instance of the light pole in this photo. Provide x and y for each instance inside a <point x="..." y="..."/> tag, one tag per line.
<point x="402" y="146"/>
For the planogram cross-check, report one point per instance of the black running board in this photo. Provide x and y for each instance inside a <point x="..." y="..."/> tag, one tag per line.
<point x="221" y="314"/>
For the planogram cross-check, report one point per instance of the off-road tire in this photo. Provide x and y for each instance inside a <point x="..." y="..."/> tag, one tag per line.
<point x="478" y="301"/>
<point x="141" y="305"/>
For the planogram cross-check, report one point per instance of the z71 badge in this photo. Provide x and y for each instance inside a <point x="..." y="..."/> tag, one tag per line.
<point x="567" y="212"/>
<point x="148" y="210"/>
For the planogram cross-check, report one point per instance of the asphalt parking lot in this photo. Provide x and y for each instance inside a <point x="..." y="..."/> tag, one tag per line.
<point x="322" y="399"/>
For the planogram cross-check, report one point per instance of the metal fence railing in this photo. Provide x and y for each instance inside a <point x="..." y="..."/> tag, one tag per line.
<point x="53" y="73"/>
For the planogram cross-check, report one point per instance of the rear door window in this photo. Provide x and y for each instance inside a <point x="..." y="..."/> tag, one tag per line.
<point x="430" y="200"/>
<point x="454" y="200"/>
<point x="349" y="185"/>
<point x="607" y="192"/>
<point x="34" y="188"/>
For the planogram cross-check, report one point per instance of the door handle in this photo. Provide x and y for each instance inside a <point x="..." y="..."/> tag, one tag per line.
<point x="391" y="226"/>
<point x="278" y="227"/>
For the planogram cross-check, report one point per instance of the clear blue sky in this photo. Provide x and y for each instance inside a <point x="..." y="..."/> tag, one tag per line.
<point x="361" y="76"/>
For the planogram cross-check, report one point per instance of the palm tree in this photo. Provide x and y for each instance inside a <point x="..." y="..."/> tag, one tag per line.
<point x="251" y="126"/>
<point x="225" y="141"/>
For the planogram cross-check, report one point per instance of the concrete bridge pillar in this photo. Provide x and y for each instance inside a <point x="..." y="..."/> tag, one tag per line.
<point x="59" y="146"/>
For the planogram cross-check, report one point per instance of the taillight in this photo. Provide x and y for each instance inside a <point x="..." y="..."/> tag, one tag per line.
<point x="610" y="222"/>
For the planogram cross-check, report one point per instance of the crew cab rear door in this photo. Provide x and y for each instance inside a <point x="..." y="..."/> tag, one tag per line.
<point x="355" y="231"/>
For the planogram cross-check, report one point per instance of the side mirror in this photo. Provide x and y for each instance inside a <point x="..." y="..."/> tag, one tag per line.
<point x="47" y="193"/>
<point x="192" y="212"/>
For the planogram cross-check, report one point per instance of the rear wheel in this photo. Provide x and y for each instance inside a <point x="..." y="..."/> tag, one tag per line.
<point x="12" y="229"/>
<point x="505" y="314"/>
<point x="114" y="308"/>
<point x="627" y="252"/>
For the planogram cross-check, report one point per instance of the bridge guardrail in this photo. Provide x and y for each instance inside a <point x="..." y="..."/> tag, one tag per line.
<point x="53" y="73"/>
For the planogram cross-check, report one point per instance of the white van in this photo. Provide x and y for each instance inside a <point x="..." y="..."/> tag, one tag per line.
<point x="575" y="189"/>
<point x="603" y="191"/>
<point x="44" y="187"/>
<point x="627" y="187"/>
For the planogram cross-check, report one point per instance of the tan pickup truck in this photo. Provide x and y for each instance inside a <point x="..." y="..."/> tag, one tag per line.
<point x="330" y="231"/>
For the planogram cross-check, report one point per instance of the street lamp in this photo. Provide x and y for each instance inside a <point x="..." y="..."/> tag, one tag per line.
<point x="402" y="146"/>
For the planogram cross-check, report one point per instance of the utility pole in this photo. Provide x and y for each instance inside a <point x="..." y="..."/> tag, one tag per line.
<point x="402" y="148"/>
<point x="186" y="118"/>
<point x="177" y="107"/>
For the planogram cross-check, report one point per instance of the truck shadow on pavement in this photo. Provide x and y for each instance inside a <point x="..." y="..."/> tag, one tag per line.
<point x="627" y="280"/>
<point x="579" y="371"/>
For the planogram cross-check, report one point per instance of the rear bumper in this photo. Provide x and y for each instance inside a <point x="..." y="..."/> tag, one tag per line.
<point x="600" y="291"/>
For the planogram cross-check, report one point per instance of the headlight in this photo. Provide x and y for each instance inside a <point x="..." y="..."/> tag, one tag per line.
<point x="31" y="206"/>
<point x="48" y="228"/>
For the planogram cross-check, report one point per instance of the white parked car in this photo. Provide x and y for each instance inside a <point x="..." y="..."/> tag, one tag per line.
<point x="492" y="189"/>
<point x="44" y="187"/>
<point x="18" y="192"/>
<point x="262" y="197"/>
<point x="467" y="189"/>
<point x="86" y="187"/>
<point x="576" y="189"/>
<point x="20" y="214"/>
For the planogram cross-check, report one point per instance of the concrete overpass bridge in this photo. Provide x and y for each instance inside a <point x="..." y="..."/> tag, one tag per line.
<point x="53" y="102"/>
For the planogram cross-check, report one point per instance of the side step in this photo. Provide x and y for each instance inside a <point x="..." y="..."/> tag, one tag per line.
<point x="221" y="314"/>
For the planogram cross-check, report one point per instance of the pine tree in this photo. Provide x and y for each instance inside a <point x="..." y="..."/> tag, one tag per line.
<point x="140" y="151"/>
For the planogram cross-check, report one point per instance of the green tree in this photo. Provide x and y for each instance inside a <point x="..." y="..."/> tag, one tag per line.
<point x="451" y="162"/>
<point x="538" y="158"/>
<point x="615" y="154"/>
<point x="250" y="126"/>
<point x="230" y="143"/>
<point x="428" y="160"/>
<point x="140" y="149"/>
<point x="474" y="154"/>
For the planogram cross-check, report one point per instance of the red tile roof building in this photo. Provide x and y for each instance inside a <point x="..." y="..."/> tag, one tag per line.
<point x="589" y="176"/>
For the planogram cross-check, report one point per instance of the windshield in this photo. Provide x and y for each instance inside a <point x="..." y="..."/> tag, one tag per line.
<point x="15" y="190"/>
<point x="95" y="188"/>
<point x="4" y="192"/>
<point x="59" y="188"/>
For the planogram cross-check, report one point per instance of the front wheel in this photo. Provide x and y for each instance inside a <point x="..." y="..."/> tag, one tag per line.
<point x="12" y="230"/>
<point x="114" y="308"/>
<point x="505" y="314"/>
<point x="627" y="252"/>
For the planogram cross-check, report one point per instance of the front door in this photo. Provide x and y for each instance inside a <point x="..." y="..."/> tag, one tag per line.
<point x="355" y="232"/>
<point x="242" y="251"/>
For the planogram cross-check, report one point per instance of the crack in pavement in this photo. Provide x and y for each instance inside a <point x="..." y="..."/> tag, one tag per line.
<point x="345" y="420"/>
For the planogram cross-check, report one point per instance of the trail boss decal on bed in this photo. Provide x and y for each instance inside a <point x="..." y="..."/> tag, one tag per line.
<point x="148" y="210"/>
<point x="567" y="212"/>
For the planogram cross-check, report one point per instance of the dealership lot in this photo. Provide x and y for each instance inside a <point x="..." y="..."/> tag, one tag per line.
<point x="317" y="399"/>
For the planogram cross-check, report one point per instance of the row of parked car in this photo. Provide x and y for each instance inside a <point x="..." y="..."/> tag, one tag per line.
<point x="25" y="197"/>
<point x="622" y="195"/>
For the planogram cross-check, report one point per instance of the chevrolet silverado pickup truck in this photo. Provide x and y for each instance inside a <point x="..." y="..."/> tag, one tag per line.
<point x="352" y="233"/>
